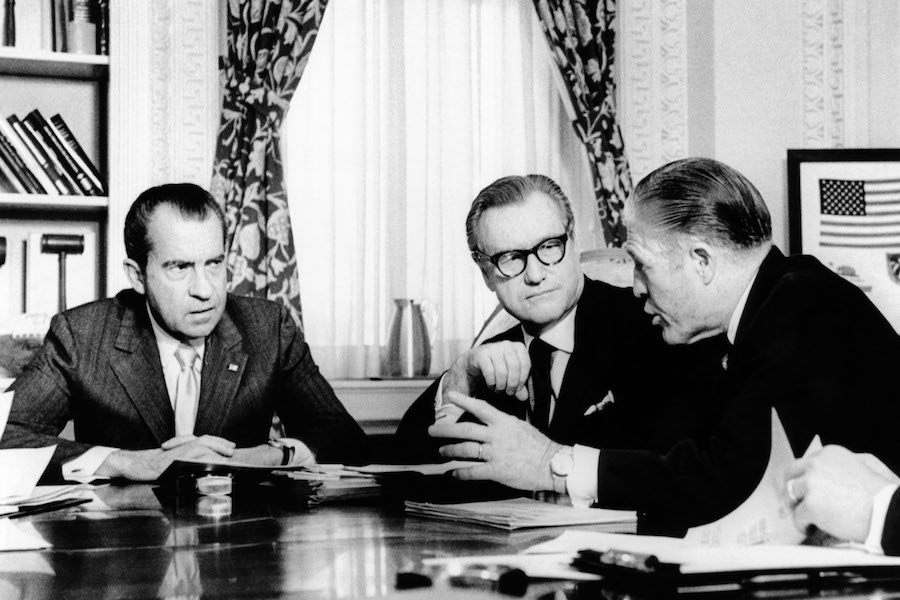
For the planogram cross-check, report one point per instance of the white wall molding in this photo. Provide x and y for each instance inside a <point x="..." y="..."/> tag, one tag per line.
<point x="653" y="82"/>
<point x="164" y="104"/>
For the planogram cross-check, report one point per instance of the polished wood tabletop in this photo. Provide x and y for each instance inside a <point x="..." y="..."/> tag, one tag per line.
<point x="145" y="542"/>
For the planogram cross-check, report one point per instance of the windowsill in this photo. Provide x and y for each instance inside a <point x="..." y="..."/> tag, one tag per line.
<point x="379" y="404"/>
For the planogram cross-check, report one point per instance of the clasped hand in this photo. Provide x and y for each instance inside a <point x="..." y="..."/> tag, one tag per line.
<point x="512" y="451"/>
<point x="833" y="489"/>
<point x="148" y="465"/>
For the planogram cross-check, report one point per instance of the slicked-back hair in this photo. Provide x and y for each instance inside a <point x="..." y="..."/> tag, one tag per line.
<point x="191" y="201"/>
<point x="706" y="198"/>
<point x="514" y="189"/>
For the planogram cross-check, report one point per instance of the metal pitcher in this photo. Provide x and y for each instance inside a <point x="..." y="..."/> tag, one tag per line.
<point x="409" y="343"/>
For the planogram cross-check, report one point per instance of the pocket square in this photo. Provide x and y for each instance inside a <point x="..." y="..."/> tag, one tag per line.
<point x="593" y="408"/>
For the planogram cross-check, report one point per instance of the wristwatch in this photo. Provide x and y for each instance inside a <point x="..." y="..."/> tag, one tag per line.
<point x="287" y="451"/>
<point x="561" y="465"/>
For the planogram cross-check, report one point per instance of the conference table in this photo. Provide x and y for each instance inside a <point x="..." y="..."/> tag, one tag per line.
<point x="153" y="542"/>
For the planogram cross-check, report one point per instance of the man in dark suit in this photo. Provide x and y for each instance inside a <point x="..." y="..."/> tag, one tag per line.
<point x="805" y="342"/>
<point x="597" y="335"/>
<point x="176" y="367"/>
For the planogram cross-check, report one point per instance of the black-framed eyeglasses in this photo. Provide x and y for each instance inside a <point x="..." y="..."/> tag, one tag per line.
<point x="513" y="262"/>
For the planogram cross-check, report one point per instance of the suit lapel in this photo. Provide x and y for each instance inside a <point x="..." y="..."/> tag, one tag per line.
<point x="573" y="393"/>
<point x="137" y="366"/>
<point x="223" y="367"/>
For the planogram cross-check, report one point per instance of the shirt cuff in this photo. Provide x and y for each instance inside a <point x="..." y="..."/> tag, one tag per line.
<point x="444" y="411"/>
<point x="582" y="481"/>
<point x="82" y="468"/>
<point x="880" y="504"/>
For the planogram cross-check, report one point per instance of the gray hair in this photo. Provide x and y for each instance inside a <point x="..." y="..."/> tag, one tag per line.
<point x="706" y="198"/>
<point x="513" y="190"/>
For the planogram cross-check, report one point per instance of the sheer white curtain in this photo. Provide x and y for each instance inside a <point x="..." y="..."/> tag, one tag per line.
<point x="406" y="110"/>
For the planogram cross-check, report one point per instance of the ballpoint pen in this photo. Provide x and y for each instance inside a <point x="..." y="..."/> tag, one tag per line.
<point x="27" y="511"/>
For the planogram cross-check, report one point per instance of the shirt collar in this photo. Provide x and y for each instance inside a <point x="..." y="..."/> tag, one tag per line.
<point x="561" y="335"/>
<point x="168" y="344"/>
<point x="739" y="310"/>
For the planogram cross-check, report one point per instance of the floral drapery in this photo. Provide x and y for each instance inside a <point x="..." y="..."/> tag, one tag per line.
<point x="269" y="42"/>
<point x="582" y="42"/>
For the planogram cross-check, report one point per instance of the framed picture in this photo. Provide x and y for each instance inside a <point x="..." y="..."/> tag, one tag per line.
<point x="844" y="209"/>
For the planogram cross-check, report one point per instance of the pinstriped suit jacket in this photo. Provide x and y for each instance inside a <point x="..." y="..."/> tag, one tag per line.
<point x="100" y="366"/>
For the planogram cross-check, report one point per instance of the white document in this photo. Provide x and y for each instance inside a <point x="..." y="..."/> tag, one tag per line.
<point x="426" y="469"/>
<point x="20" y="536"/>
<point x="765" y="517"/>
<point x="6" y="399"/>
<point x="697" y="558"/>
<point x="20" y="469"/>
<point x="519" y="513"/>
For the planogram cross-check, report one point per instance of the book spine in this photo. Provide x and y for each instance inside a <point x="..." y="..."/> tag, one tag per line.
<point x="40" y="155"/>
<point x="76" y="151"/>
<point x="103" y="28"/>
<point x="11" y="176"/>
<point x="6" y="186"/>
<point x="15" y="162"/>
<point x="60" y="18"/>
<point x="28" y="158"/>
<point x="34" y="121"/>
<point x="8" y="23"/>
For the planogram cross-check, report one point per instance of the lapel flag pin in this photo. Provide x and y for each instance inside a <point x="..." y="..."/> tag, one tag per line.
<point x="232" y="367"/>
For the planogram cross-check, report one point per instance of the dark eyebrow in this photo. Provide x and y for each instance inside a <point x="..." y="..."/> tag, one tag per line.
<point x="172" y="263"/>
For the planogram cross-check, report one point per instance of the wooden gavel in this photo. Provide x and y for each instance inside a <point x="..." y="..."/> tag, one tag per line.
<point x="62" y="244"/>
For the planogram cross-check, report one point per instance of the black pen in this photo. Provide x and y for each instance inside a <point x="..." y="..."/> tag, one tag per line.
<point x="26" y="511"/>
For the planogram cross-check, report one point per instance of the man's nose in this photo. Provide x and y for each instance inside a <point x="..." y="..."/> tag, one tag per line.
<point x="201" y="286"/>
<point x="638" y="287"/>
<point x="535" y="271"/>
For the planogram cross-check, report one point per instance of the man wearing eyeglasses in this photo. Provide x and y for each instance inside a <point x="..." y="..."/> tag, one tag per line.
<point x="574" y="368"/>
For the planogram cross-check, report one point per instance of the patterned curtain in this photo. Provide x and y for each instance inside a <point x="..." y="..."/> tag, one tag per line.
<point x="582" y="42"/>
<point x="269" y="42"/>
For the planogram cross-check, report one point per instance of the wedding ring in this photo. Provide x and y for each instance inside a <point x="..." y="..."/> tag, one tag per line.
<point x="792" y="494"/>
<point x="480" y="451"/>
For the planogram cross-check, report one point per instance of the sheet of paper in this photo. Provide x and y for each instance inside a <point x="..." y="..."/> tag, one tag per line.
<point x="765" y="517"/>
<point x="520" y="513"/>
<point x="545" y="566"/>
<point x="6" y="399"/>
<point x="427" y="469"/>
<point x="20" y="469"/>
<point x="20" y="536"/>
<point x="697" y="558"/>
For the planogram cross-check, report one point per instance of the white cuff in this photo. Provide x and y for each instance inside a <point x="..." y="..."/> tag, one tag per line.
<point x="443" y="411"/>
<point x="82" y="468"/>
<point x="582" y="481"/>
<point x="880" y="504"/>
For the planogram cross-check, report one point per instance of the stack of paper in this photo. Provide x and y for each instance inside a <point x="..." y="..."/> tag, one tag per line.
<point x="523" y="512"/>
<point x="336" y="483"/>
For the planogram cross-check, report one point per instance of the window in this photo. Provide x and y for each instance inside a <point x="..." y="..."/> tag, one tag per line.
<point x="406" y="110"/>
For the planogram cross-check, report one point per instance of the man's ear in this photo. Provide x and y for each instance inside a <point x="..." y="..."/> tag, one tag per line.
<point x="486" y="275"/>
<point x="705" y="260"/>
<point x="135" y="275"/>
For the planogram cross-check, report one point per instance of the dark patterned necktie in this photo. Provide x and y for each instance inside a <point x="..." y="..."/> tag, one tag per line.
<point x="540" y="353"/>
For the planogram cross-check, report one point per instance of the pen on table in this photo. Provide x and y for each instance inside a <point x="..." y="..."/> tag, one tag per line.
<point x="26" y="511"/>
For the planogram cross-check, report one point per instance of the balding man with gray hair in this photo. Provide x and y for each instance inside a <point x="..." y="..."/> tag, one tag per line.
<point x="804" y="341"/>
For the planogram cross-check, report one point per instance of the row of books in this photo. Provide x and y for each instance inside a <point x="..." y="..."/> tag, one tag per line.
<point x="80" y="26"/>
<point x="41" y="157"/>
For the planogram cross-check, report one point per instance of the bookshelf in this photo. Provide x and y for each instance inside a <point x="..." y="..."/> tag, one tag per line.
<point x="77" y="87"/>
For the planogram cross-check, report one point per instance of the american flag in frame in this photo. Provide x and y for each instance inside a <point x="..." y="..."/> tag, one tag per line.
<point x="844" y="209"/>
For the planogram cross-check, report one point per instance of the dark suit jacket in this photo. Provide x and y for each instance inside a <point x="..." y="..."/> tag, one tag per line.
<point x="890" y="538"/>
<point x="100" y="366"/>
<point x="811" y="345"/>
<point x="662" y="393"/>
